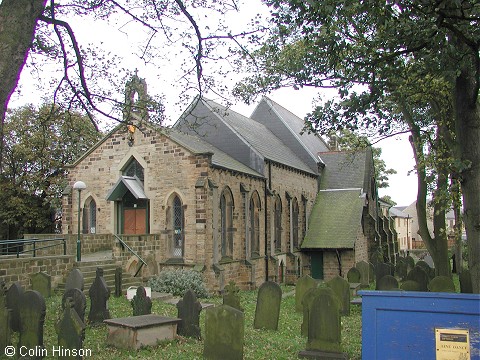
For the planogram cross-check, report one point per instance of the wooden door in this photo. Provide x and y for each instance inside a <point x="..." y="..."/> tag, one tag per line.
<point x="135" y="221"/>
<point x="316" y="261"/>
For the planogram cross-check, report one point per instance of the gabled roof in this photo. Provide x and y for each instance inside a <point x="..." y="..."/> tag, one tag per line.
<point x="345" y="169"/>
<point x="124" y="184"/>
<point x="335" y="220"/>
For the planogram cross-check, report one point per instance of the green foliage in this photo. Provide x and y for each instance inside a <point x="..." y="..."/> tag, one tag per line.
<point x="177" y="282"/>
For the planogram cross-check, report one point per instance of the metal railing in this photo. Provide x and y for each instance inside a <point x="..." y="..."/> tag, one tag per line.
<point x="124" y="245"/>
<point x="18" y="246"/>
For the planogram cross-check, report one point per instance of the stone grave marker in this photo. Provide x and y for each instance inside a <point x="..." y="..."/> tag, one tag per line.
<point x="466" y="285"/>
<point x="425" y="266"/>
<point x="267" y="310"/>
<point x="306" y="304"/>
<point x="410" y="262"/>
<point x="75" y="280"/>
<point x="381" y="270"/>
<point x="118" y="282"/>
<point x="79" y="301"/>
<point x="141" y="303"/>
<point x="441" y="284"/>
<point x="42" y="283"/>
<point x="401" y="269"/>
<point x="5" y="335"/>
<point x="410" y="285"/>
<point x="354" y="275"/>
<point x="420" y="276"/>
<point x="71" y="332"/>
<point x="364" y="268"/>
<point x="341" y="288"/>
<point x="32" y="317"/>
<point x="429" y="260"/>
<point x="388" y="282"/>
<point x="231" y="296"/>
<point x="224" y="333"/>
<point x="99" y="294"/>
<point x="324" y="328"/>
<point x="303" y="284"/>
<point x="189" y="312"/>
<point x="14" y="294"/>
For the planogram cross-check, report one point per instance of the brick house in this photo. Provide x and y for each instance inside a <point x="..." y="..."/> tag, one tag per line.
<point x="228" y="195"/>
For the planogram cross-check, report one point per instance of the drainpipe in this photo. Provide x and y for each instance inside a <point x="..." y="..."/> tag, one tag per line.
<point x="339" y="262"/>
<point x="265" y="230"/>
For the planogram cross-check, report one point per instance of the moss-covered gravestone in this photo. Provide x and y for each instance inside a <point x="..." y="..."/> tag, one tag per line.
<point x="410" y="285"/>
<point x="42" y="283"/>
<point x="341" y="288"/>
<point x="32" y="317"/>
<point x="381" y="270"/>
<point x="303" y="284"/>
<point x="306" y="304"/>
<point x="428" y="269"/>
<point x="189" y="312"/>
<point x="353" y="275"/>
<point x="324" y="328"/>
<point x="231" y="296"/>
<point x="410" y="262"/>
<point x="71" y="332"/>
<point x="14" y="294"/>
<point x="79" y="301"/>
<point x="75" y="280"/>
<point x="466" y="286"/>
<point x="224" y="333"/>
<point x="5" y="338"/>
<point x="364" y="268"/>
<point x="401" y="268"/>
<point x="388" y="282"/>
<point x="419" y="275"/>
<point x="141" y="303"/>
<point x="99" y="294"/>
<point x="267" y="310"/>
<point x="441" y="284"/>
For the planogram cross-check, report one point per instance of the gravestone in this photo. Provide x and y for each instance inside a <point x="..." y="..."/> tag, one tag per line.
<point x="420" y="276"/>
<point x="401" y="269"/>
<point x="372" y="273"/>
<point x="364" y="269"/>
<point x="231" y="296"/>
<point x="324" y="328"/>
<point x="79" y="301"/>
<point x="224" y="333"/>
<point x="388" y="282"/>
<point x="189" y="312"/>
<point x="71" y="332"/>
<point x="341" y="288"/>
<point x="75" y="280"/>
<point x="303" y="284"/>
<point x="99" y="294"/>
<point x="381" y="270"/>
<point x="410" y="262"/>
<point x="5" y="335"/>
<point x="141" y="303"/>
<point x="410" y="285"/>
<point x="441" y="284"/>
<point x="32" y="317"/>
<point x="267" y="310"/>
<point x="428" y="270"/>
<point x="14" y="294"/>
<point x="466" y="286"/>
<point x="354" y="275"/>
<point x="118" y="282"/>
<point x="42" y="283"/>
<point x="429" y="260"/>
<point x="306" y="304"/>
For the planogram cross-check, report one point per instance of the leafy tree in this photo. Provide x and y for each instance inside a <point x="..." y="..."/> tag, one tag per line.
<point x="377" y="54"/>
<point x="39" y="143"/>
<point x="388" y="200"/>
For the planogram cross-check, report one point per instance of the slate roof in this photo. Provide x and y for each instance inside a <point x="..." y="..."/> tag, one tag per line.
<point x="335" y="220"/>
<point x="344" y="170"/>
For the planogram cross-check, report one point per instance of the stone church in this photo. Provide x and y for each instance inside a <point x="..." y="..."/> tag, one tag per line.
<point x="237" y="198"/>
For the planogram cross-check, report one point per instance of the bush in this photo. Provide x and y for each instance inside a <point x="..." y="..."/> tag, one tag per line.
<point x="177" y="282"/>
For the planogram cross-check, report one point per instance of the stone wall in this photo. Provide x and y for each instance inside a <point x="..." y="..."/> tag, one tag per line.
<point x="90" y="243"/>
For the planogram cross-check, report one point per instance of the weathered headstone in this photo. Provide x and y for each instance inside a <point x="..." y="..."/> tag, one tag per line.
<point x="410" y="262"/>
<point x="141" y="303"/>
<point x="364" y="268"/>
<point x="410" y="285"/>
<point x="303" y="284"/>
<point x="118" y="282"/>
<point x="381" y="270"/>
<point x="71" y="332"/>
<point x="32" y="310"/>
<point x="401" y="269"/>
<point x="324" y="328"/>
<point x="75" y="280"/>
<point x="388" y="282"/>
<point x="5" y="334"/>
<point x="307" y="303"/>
<point x="420" y="276"/>
<point x="99" y="294"/>
<point x="14" y="294"/>
<point x="42" y="283"/>
<point x="441" y="284"/>
<point x="224" y="333"/>
<point x="267" y="311"/>
<point x="466" y="285"/>
<point x="79" y="301"/>
<point x="341" y="288"/>
<point x="354" y="275"/>
<point x="231" y="296"/>
<point x="189" y="311"/>
<point x="427" y="268"/>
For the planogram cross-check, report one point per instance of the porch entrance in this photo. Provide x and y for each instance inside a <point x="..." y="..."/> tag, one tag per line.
<point x="316" y="261"/>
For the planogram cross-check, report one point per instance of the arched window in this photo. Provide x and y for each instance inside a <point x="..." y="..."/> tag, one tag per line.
<point x="89" y="221"/>
<point x="226" y="219"/>
<point x="277" y="219"/>
<point x="295" y="223"/>
<point x="255" y="224"/>
<point x="134" y="169"/>
<point x="178" y="233"/>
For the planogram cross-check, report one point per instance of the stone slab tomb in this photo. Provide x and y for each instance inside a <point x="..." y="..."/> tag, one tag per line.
<point x="135" y="332"/>
<point x="267" y="311"/>
<point x="189" y="312"/>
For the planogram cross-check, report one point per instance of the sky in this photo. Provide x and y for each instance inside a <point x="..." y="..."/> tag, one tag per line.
<point x="165" y="80"/>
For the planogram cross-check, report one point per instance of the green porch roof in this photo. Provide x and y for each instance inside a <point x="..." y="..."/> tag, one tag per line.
<point x="335" y="220"/>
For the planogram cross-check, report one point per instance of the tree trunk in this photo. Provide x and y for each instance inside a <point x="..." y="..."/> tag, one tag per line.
<point x="18" y="20"/>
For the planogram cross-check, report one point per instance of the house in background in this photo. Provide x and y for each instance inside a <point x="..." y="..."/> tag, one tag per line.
<point x="238" y="198"/>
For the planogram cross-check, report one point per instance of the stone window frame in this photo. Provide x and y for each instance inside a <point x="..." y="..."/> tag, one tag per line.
<point x="254" y="226"/>
<point x="89" y="216"/>
<point x="295" y="223"/>
<point x="277" y="221"/>
<point x="176" y="252"/>
<point x="226" y="223"/>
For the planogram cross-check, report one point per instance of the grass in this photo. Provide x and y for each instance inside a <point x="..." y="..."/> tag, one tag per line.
<point x="259" y="344"/>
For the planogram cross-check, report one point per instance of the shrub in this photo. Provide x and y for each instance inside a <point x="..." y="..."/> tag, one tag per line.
<point x="177" y="282"/>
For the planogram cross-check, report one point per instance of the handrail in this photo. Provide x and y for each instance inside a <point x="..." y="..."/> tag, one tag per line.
<point x="124" y="244"/>
<point x="19" y="243"/>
